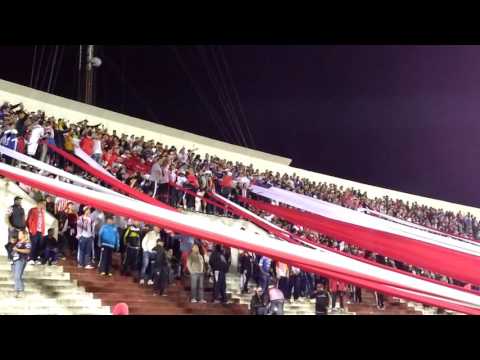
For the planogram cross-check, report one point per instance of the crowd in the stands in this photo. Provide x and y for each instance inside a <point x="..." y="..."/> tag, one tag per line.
<point x="152" y="167"/>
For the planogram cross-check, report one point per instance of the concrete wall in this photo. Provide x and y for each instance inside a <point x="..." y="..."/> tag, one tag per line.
<point x="75" y="111"/>
<point x="8" y="191"/>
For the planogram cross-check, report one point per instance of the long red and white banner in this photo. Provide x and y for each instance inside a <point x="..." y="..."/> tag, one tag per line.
<point x="113" y="182"/>
<point x="417" y="226"/>
<point x="285" y="235"/>
<point x="340" y="213"/>
<point x="441" y="260"/>
<point x="78" y="151"/>
<point x="328" y="264"/>
<point x="54" y="170"/>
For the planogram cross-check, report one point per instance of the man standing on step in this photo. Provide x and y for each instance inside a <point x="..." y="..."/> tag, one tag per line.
<point x="109" y="242"/>
<point x="15" y="217"/>
<point x="20" y="252"/>
<point x="149" y="243"/>
<point x="322" y="300"/>
<point x="36" y="227"/>
<point x="247" y="263"/>
<point x="196" y="268"/>
<point x="219" y="266"/>
<point x="85" y="235"/>
<point x="265" y="267"/>
<point x="337" y="288"/>
<point x="132" y="242"/>
<point x="161" y="269"/>
<point x="282" y="276"/>
<point x="98" y="217"/>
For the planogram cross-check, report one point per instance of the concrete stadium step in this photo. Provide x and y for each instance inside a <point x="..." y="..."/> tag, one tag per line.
<point x="43" y="283"/>
<point x="140" y="299"/>
<point x="48" y="291"/>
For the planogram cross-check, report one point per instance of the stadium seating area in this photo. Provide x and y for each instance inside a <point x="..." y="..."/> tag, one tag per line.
<point x="184" y="179"/>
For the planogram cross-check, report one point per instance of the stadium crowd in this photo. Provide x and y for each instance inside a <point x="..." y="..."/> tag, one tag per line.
<point x="183" y="178"/>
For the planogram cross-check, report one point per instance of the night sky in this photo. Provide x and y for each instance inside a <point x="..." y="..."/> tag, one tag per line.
<point x="400" y="117"/>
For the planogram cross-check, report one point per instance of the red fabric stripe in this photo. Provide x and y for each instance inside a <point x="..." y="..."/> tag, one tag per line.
<point x="440" y="260"/>
<point x="285" y="235"/>
<point x="117" y="184"/>
<point x="309" y="265"/>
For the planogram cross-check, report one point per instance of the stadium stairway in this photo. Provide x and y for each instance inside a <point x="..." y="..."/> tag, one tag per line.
<point x="140" y="299"/>
<point x="393" y="306"/>
<point x="49" y="290"/>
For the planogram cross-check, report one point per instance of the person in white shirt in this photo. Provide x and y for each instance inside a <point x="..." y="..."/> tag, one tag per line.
<point x="85" y="235"/>
<point x="97" y="148"/>
<point x="148" y="243"/>
<point x="98" y="217"/>
<point x="36" y="134"/>
<point x="244" y="183"/>
<point x="181" y="179"/>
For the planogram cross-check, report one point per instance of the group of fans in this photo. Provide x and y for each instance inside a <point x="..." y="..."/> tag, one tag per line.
<point x="182" y="178"/>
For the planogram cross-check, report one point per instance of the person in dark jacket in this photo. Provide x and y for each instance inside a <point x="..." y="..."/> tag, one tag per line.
<point x="161" y="269"/>
<point x="132" y="242"/>
<point x="15" y="217"/>
<point x="246" y="269"/>
<point x="322" y="300"/>
<point x="51" y="248"/>
<point x="219" y="266"/>
<point x="258" y="303"/>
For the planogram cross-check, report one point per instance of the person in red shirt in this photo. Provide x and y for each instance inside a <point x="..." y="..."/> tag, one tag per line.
<point x="87" y="144"/>
<point x="226" y="184"/>
<point x="110" y="157"/>
<point x="192" y="179"/>
<point x="141" y="167"/>
<point x="337" y="288"/>
<point x="36" y="227"/>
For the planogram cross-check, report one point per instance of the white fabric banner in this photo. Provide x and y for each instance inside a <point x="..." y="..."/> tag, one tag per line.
<point x="54" y="170"/>
<point x="411" y="224"/>
<point x="350" y="216"/>
<point x="84" y="156"/>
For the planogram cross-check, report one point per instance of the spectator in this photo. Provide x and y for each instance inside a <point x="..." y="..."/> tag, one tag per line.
<point x="149" y="243"/>
<point x="15" y="216"/>
<point x="322" y="300"/>
<point x="85" y="236"/>
<point x="86" y="143"/>
<point x="98" y="218"/>
<point x="282" y="276"/>
<point x="161" y="269"/>
<point x="294" y="284"/>
<point x="264" y="267"/>
<point x="69" y="229"/>
<point x="51" y="248"/>
<point x="219" y="266"/>
<point x="337" y="288"/>
<point x="196" y="268"/>
<point x="50" y="205"/>
<point x="36" y="226"/>
<point x="97" y="148"/>
<point x="37" y="133"/>
<point x="20" y="253"/>
<point x="380" y="298"/>
<point x="109" y="242"/>
<point x="132" y="242"/>
<point x="276" y="300"/>
<point x="247" y="264"/>
<point x="258" y="303"/>
<point x="13" y="238"/>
